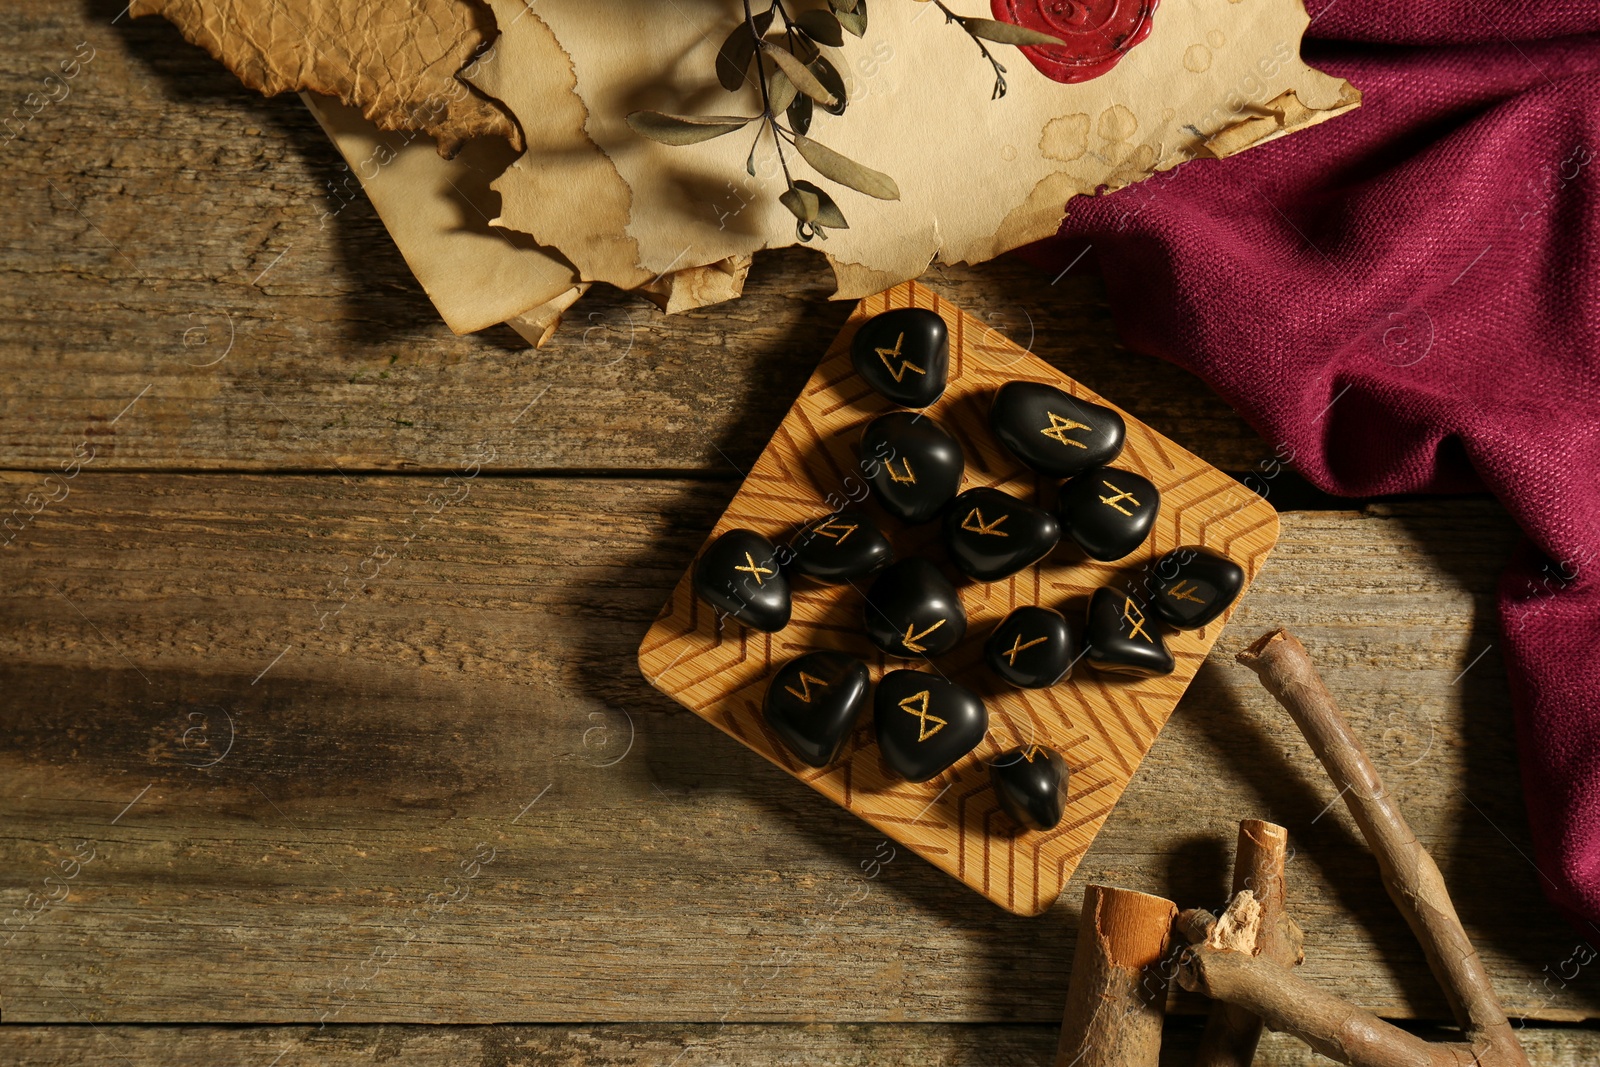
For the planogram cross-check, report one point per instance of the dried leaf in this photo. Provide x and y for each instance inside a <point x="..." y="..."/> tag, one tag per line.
<point x="803" y="203"/>
<point x="800" y="113"/>
<point x="1007" y="32"/>
<point x="855" y="20"/>
<point x="685" y="129"/>
<point x="828" y="213"/>
<point x="843" y="6"/>
<point x="828" y="75"/>
<point x="733" y="58"/>
<point x="780" y="92"/>
<point x="821" y="26"/>
<point x="800" y="74"/>
<point x="845" y="171"/>
<point x="401" y="71"/>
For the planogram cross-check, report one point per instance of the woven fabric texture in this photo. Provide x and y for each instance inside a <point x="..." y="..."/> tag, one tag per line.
<point x="1407" y="299"/>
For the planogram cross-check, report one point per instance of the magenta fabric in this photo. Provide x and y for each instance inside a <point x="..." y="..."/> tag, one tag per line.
<point x="1407" y="299"/>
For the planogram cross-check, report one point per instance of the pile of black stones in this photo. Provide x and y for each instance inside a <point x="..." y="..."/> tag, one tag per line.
<point x="911" y="610"/>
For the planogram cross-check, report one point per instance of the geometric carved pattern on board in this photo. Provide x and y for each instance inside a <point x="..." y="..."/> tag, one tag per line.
<point x="1102" y="725"/>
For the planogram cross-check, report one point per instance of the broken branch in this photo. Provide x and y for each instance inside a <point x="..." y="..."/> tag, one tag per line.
<point x="1332" y="1026"/>
<point x="1409" y="873"/>
<point x="1118" y="995"/>
<point x="1232" y="1032"/>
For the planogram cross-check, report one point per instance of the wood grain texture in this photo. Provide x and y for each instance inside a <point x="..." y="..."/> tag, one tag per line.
<point x="667" y="874"/>
<point x="639" y="1045"/>
<point x="171" y="236"/>
<point x="285" y="710"/>
<point x="1101" y="725"/>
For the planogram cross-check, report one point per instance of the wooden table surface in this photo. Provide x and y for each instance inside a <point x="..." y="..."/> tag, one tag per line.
<point x="327" y="742"/>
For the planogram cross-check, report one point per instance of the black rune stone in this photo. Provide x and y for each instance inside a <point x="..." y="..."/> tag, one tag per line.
<point x="840" y="548"/>
<point x="1194" y="585"/>
<point x="1032" y="648"/>
<point x="739" y="576"/>
<point x="993" y="535"/>
<point x="903" y="354"/>
<point x="1053" y="432"/>
<point x="1031" y="784"/>
<point x="1108" y="511"/>
<point x="913" y="463"/>
<point x="1121" y="639"/>
<point x="814" y="700"/>
<point x="913" y="610"/>
<point x="925" y="723"/>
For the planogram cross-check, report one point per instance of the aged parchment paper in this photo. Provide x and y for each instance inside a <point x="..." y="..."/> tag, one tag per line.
<point x="438" y="211"/>
<point x="398" y="63"/>
<point x="977" y="176"/>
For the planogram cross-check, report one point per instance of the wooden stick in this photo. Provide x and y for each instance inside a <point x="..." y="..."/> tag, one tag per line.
<point x="1334" y="1027"/>
<point x="1409" y="873"/>
<point x="1232" y="1031"/>
<point x="1118" y="995"/>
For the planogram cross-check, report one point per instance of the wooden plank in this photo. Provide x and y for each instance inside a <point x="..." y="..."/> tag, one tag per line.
<point x="173" y="238"/>
<point x="1102" y="728"/>
<point x="662" y="872"/>
<point x="646" y="1045"/>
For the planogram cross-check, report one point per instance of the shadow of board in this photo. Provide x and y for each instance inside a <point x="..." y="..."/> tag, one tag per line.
<point x="680" y="755"/>
<point x="676" y="743"/>
<point x="384" y="301"/>
<point x="1507" y="913"/>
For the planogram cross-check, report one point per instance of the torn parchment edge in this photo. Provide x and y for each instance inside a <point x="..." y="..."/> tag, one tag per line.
<point x="540" y="313"/>
<point x="476" y="114"/>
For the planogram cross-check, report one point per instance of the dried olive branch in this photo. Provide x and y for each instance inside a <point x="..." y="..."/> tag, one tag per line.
<point x="999" y="70"/>
<point x="771" y="120"/>
<point x="795" y="77"/>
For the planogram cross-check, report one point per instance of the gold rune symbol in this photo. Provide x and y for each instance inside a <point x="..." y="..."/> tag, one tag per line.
<point x="1178" y="592"/>
<point x="910" y="640"/>
<point x="1017" y="647"/>
<point x="753" y="570"/>
<point x="1059" y="427"/>
<point x="838" y="531"/>
<point x="923" y="717"/>
<point x="974" y="522"/>
<point x="1032" y="750"/>
<point x="805" y="684"/>
<point x="905" y="364"/>
<point x="1134" y="617"/>
<point x="1122" y="494"/>
<point x="910" y="477"/>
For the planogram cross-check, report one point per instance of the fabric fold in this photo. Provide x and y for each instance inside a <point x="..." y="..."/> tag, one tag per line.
<point x="1407" y="300"/>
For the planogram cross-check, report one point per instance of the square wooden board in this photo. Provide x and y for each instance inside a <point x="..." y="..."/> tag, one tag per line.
<point x="1102" y="724"/>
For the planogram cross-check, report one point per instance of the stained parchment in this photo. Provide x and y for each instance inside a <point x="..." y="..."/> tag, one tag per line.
<point x="398" y="63"/>
<point x="977" y="176"/>
<point x="438" y="213"/>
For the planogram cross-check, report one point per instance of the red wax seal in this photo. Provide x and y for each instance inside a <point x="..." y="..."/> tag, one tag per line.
<point x="1097" y="33"/>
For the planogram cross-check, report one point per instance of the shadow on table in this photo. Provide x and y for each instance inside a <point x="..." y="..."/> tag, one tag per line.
<point x="384" y="299"/>
<point x="1506" y="913"/>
